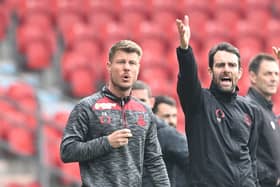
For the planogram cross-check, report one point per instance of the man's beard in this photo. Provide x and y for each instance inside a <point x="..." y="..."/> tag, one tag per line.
<point x="121" y="88"/>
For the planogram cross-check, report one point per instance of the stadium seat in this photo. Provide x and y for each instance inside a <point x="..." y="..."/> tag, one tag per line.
<point x="259" y="18"/>
<point x="52" y="145"/>
<point x="165" y="20"/>
<point x="38" y="56"/>
<point x="21" y="141"/>
<point x="161" y="75"/>
<point x="60" y="118"/>
<point x="4" y="18"/>
<point x="108" y="7"/>
<point x="227" y="19"/>
<point x="82" y="33"/>
<point x="218" y="31"/>
<point x="204" y="6"/>
<point x="276" y="8"/>
<point x="82" y="83"/>
<point x="29" y="7"/>
<point x="132" y="20"/>
<point x="271" y="40"/>
<point x="273" y="27"/>
<point x="230" y="5"/>
<point x="257" y="4"/>
<point x="167" y="5"/>
<point x="248" y="47"/>
<point x="37" y="46"/>
<point x="23" y="94"/>
<point x="198" y="21"/>
<point x="71" y="173"/>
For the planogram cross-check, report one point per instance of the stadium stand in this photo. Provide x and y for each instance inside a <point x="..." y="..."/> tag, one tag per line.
<point x="53" y="52"/>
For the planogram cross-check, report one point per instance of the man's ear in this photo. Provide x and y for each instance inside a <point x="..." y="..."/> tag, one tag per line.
<point x="108" y="66"/>
<point x="210" y="72"/>
<point x="152" y="101"/>
<point x="252" y="77"/>
<point x="240" y="73"/>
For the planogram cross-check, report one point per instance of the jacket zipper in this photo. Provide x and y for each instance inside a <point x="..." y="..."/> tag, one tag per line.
<point x="123" y="117"/>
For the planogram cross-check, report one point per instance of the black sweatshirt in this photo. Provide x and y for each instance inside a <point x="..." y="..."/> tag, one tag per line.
<point x="268" y="152"/>
<point x="221" y="129"/>
<point x="175" y="154"/>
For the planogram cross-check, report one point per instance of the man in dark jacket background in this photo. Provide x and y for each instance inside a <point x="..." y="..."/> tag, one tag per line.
<point x="173" y="144"/>
<point x="264" y="79"/>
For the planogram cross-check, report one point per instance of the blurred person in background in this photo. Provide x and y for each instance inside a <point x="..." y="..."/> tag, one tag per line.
<point x="221" y="126"/>
<point x="264" y="80"/>
<point x="165" y="108"/>
<point x="173" y="144"/>
<point x="113" y="135"/>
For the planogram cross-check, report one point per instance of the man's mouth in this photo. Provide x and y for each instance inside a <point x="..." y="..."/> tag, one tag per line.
<point x="125" y="77"/>
<point x="226" y="79"/>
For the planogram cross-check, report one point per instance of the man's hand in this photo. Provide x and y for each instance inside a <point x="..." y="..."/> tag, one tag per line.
<point x="184" y="32"/>
<point x="276" y="52"/>
<point x="119" y="138"/>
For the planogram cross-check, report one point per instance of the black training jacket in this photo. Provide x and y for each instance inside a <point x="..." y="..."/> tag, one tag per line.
<point x="268" y="152"/>
<point x="221" y="129"/>
<point x="175" y="154"/>
<point x="85" y="140"/>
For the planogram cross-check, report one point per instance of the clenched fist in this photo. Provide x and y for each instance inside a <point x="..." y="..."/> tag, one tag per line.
<point x="119" y="138"/>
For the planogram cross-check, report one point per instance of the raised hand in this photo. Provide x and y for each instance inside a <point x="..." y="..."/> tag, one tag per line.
<point x="119" y="138"/>
<point x="276" y="51"/>
<point x="184" y="32"/>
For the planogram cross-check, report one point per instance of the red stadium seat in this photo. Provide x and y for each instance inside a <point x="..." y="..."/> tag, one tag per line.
<point x="81" y="82"/>
<point x="52" y="145"/>
<point x="21" y="141"/>
<point x="71" y="173"/>
<point x="24" y="94"/>
<point x="257" y="4"/>
<point x="108" y="7"/>
<point x="259" y="18"/>
<point x="198" y="21"/>
<point x="60" y="118"/>
<point x="4" y="19"/>
<point x="204" y="6"/>
<point x="227" y="19"/>
<point x="36" y="45"/>
<point x="230" y="5"/>
<point x="38" y="56"/>
<point x="271" y="40"/>
<point x="162" y="77"/>
<point x="248" y="46"/>
<point x="29" y="7"/>
<point x="167" y="5"/>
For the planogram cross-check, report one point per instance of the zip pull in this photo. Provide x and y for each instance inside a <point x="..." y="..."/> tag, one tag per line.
<point x="123" y="117"/>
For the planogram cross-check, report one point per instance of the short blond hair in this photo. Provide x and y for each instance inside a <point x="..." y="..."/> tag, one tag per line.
<point x="128" y="46"/>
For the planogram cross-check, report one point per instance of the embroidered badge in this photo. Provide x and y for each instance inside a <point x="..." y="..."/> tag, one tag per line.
<point x="104" y="118"/>
<point x="219" y="115"/>
<point x="247" y="120"/>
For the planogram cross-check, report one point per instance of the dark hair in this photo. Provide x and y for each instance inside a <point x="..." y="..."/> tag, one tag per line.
<point x="256" y="61"/>
<point x="140" y="85"/>
<point x="223" y="46"/>
<point x="163" y="99"/>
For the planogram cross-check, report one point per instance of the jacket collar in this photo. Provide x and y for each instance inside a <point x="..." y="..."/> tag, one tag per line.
<point x="223" y="96"/>
<point x="259" y="98"/>
<point x="121" y="100"/>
